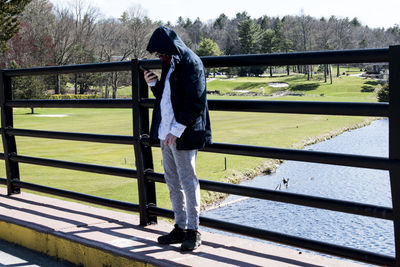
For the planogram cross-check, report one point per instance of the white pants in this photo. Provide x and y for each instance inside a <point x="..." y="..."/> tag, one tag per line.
<point x="183" y="185"/>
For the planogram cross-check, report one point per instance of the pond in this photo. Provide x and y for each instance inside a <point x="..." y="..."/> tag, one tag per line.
<point x="346" y="183"/>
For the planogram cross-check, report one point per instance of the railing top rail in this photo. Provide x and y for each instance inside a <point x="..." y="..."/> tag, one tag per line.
<point x="301" y="58"/>
<point x="278" y="59"/>
<point x="273" y="106"/>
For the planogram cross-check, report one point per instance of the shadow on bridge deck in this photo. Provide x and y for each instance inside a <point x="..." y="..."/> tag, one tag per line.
<point x="90" y="236"/>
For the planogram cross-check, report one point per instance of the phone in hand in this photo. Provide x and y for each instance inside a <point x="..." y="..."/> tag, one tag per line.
<point x="143" y="68"/>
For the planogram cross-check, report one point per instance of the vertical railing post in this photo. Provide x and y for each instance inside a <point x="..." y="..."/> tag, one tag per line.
<point x="9" y="144"/>
<point x="143" y="155"/>
<point x="394" y="139"/>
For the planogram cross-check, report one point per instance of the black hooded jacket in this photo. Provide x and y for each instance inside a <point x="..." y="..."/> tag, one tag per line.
<point x="188" y="90"/>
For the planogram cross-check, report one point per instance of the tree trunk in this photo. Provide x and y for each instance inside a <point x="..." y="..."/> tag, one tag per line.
<point x="330" y="73"/>
<point x="287" y="70"/>
<point x="114" y="84"/>
<point x="58" y="85"/>
<point x="270" y="71"/>
<point x="325" y="72"/>
<point x="311" y="71"/>
<point x="308" y="72"/>
<point x="338" y="71"/>
<point x="101" y="84"/>
<point x="76" y="83"/>
<point x="114" y="92"/>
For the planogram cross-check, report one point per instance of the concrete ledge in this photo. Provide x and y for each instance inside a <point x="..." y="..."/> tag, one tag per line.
<point x="90" y="236"/>
<point x="63" y="248"/>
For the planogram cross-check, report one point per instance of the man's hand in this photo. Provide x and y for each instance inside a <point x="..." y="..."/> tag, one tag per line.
<point x="150" y="76"/>
<point x="170" y="139"/>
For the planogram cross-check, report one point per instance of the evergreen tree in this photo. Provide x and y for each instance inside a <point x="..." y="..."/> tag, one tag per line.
<point x="27" y="87"/>
<point x="9" y="22"/>
<point x="249" y="36"/>
<point x="208" y="47"/>
<point x="264" y="23"/>
<point x="220" y="22"/>
<point x="267" y="41"/>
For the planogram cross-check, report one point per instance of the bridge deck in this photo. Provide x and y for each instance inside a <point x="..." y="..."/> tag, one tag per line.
<point x="91" y="236"/>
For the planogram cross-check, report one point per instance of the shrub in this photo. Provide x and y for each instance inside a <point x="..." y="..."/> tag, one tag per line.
<point x="367" y="88"/>
<point x="58" y="97"/>
<point x="383" y="93"/>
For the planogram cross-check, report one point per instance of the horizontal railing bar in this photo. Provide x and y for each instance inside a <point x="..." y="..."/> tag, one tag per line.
<point x="76" y="166"/>
<point x="100" y="138"/>
<point x="298" y="107"/>
<point x="369" y="162"/>
<point x="278" y="59"/>
<point x="3" y="181"/>
<point x="336" y="250"/>
<point x="72" y="103"/>
<point x="78" y="196"/>
<point x="300" y="58"/>
<point x="292" y="198"/>
<point x="79" y="68"/>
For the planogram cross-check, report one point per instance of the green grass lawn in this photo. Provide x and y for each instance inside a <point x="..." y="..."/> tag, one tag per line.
<point x="278" y="130"/>
<point x="125" y="91"/>
<point x="343" y="88"/>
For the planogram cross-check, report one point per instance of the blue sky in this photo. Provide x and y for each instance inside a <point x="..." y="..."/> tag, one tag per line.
<point x="384" y="13"/>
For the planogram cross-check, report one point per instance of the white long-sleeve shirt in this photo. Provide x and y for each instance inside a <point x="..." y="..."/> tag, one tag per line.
<point x="168" y="123"/>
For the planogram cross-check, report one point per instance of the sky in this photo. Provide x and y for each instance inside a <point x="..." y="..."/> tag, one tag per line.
<point x="383" y="13"/>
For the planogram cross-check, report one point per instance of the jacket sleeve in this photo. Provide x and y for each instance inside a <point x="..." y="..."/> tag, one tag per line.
<point x="156" y="89"/>
<point x="194" y="94"/>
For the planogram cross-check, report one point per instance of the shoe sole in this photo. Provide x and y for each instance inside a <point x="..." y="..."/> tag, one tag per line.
<point x="169" y="243"/>
<point x="189" y="249"/>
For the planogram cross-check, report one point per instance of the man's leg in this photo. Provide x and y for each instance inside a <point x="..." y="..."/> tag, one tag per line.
<point x="175" y="188"/>
<point x="177" y="235"/>
<point x="185" y="162"/>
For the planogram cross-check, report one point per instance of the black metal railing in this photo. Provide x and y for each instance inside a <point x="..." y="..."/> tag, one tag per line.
<point x="140" y="105"/>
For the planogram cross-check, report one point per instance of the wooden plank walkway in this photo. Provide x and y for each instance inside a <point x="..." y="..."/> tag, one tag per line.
<point x="90" y="236"/>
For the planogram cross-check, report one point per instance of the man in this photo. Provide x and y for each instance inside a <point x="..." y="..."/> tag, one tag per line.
<point x="182" y="126"/>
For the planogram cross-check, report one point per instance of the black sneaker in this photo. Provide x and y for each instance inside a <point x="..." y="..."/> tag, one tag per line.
<point x="192" y="240"/>
<point x="176" y="236"/>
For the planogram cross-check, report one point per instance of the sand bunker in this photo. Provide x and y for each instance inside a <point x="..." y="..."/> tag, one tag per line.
<point x="52" y="115"/>
<point x="278" y="84"/>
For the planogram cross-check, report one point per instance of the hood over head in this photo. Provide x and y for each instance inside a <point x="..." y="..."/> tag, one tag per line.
<point x="165" y="41"/>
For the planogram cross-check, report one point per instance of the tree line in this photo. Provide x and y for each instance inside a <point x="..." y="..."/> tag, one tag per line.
<point x="77" y="33"/>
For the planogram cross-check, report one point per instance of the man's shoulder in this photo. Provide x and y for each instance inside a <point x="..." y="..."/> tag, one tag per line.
<point x="191" y="58"/>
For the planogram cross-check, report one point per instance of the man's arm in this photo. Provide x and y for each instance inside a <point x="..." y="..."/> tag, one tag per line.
<point x="152" y="80"/>
<point x="194" y="99"/>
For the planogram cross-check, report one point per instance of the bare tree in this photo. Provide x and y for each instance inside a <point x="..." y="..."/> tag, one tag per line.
<point x="38" y="15"/>
<point x="62" y="35"/>
<point x="342" y="35"/>
<point x="123" y="39"/>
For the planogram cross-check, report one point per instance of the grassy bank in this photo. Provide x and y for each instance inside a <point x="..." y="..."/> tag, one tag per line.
<point x="277" y="130"/>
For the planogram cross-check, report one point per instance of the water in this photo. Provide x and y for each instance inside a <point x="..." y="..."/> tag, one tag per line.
<point x="346" y="183"/>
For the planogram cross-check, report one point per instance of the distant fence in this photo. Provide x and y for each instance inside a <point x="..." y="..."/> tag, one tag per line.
<point x="146" y="177"/>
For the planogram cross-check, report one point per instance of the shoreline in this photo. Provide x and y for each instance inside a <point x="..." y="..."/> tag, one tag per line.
<point x="214" y="199"/>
